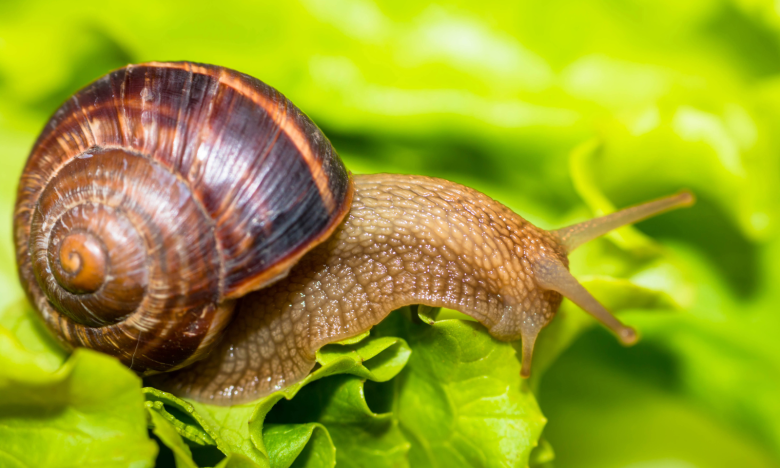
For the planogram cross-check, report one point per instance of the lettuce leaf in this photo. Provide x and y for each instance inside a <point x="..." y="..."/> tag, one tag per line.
<point x="459" y="401"/>
<point x="241" y="429"/>
<point x="88" y="413"/>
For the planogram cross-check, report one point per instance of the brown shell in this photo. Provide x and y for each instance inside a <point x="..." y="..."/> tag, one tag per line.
<point x="160" y="193"/>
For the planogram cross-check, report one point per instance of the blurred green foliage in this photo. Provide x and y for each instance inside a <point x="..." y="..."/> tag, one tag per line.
<point x="562" y="110"/>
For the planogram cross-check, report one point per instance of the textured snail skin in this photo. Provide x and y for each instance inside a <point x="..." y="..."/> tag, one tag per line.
<point x="407" y="240"/>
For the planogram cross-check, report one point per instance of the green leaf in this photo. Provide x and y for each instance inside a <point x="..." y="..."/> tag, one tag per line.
<point x="180" y="414"/>
<point x="377" y="359"/>
<point x="305" y="445"/>
<point x="354" y="339"/>
<point x="166" y="432"/>
<point x="361" y="437"/>
<point x="542" y="455"/>
<point x="240" y="428"/>
<point x="20" y="320"/>
<point x="460" y="398"/>
<point x="88" y="413"/>
<point x="235" y="460"/>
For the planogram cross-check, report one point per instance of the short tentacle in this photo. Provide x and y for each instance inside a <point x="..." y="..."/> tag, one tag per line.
<point x="552" y="275"/>
<point x="529" y="340"/>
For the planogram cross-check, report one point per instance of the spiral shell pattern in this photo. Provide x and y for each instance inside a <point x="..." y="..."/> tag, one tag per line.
<point x="157" y="196"/>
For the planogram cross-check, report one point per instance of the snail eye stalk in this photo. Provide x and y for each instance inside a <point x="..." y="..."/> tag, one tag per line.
<point x="575" y="235"/>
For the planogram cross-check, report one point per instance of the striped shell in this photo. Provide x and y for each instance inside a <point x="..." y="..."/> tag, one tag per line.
<point x="158" y="195"/>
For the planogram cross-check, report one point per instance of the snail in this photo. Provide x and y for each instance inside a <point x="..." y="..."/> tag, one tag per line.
<point x="191" y="221"/>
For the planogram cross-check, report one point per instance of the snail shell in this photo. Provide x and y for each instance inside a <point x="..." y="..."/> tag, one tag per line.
<point x="158" y="195"/>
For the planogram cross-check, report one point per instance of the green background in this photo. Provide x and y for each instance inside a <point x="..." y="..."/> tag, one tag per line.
<point x="560" y="109"/>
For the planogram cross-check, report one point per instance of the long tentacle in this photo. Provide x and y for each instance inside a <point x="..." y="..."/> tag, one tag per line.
<point x="573" y="236"/>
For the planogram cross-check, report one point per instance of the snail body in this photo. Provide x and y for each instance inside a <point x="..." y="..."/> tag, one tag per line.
<point x="189" y="218"/>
